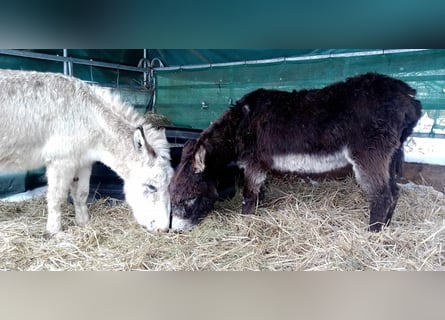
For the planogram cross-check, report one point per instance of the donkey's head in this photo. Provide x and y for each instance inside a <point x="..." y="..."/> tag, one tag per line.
<point x="192" y="193"/>
<point x="149" y="173"/>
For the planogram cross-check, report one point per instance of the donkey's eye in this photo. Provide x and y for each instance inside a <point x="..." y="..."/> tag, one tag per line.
<point x="150" y="188"/>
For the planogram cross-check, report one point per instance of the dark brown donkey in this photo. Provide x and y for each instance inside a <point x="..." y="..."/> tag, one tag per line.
<point x="362" y="121"/>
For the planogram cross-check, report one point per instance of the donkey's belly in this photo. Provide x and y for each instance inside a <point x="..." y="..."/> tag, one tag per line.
<point x="310" y="163"/>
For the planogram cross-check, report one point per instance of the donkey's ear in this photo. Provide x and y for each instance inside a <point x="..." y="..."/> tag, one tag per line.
<point x="138" y="139"/>
<point x="162" y="131"/>
<point x="199" y="163"/>
<point x="139" y="142"/>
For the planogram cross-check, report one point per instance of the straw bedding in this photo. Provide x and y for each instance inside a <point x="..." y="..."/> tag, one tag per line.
<point x="302" y="225"/>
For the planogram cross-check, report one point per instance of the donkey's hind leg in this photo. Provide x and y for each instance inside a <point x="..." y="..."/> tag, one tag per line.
<point x="395" y="170"/>
<point x="59" y="177"/>
<point x="80" y="187"/>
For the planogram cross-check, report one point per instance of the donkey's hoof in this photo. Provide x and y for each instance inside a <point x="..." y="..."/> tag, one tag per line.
<point x="247" y="207"/>
<point x="48" y="235"/>
<point x="82" y="221"/>
<point x="376" y="227"/>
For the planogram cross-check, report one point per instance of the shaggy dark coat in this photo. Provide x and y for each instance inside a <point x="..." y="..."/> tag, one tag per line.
<point x="362" y="121"/>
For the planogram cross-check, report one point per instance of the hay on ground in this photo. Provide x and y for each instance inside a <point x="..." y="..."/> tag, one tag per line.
<point x="300" y="226"/>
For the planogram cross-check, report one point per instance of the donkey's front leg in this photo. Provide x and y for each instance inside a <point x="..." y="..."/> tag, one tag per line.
<point x="254" y="178"/>
<point x="80" y="187"/>
<point x="372" y="171"/>
<point x="59" y="177"/>
<point x="380" y="202"/>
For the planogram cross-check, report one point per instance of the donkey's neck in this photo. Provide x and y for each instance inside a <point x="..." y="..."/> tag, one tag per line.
<point x="221" y="154"/>
<point x="116" y="122"/>
<point x="115" y="146"/>
<point x="115" y="154"/>
<point x="221" y="150"/>
<point x="220" y="139"/>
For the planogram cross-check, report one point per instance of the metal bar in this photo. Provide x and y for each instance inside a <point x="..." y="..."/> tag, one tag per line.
<point x="44" y="56"/>
<point x="283" y="59"/>
<point x="65" y="63"/>
<point x="428" y="135"/>
<point x="144" y="65"/>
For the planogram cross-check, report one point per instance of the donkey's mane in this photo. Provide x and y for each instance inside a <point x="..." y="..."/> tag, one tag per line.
<point x="112" y="103"/>
<point x="124" y="117"/>
<point x="222" y="127"/>
<point x="219" y="138"/>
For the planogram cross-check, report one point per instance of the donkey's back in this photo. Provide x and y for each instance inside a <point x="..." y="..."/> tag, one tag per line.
<point x="43" y="115"/>
<point x="360" y="111"/>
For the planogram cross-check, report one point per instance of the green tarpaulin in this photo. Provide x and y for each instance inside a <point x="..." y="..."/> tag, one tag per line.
<point x="195" y="97"/>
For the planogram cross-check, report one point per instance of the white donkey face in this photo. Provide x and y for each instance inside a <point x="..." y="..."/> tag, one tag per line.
<point x="147" y="194"/>
<point x="146" y="188"/>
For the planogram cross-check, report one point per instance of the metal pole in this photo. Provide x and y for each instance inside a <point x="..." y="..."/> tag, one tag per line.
<point x="65" y="63"/>
<point x="44" y="56"/>
<point x="282" y="59"/>
<point x="144" y="66"/>
<point x="68" y="64"/>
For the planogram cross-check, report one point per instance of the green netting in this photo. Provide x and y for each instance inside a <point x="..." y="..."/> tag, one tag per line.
<point x="187" y="57"/>
<point x="195" y="97"/>
<point x="19" y="63"/>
